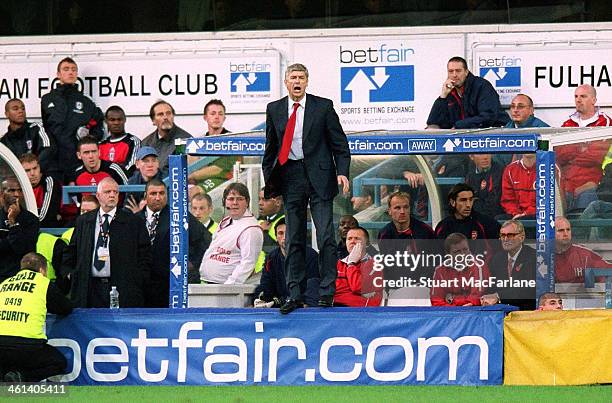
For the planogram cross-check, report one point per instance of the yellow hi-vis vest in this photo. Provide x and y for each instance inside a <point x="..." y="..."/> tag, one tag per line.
<point x="607" y="158"/>
<point x="23" y="305"/>
<point x="44" y="246"/>
<point x="67" y="235"/>
<point x="261" y="259"/>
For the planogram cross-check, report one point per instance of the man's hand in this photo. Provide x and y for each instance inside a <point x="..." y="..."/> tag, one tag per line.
<point x="489" y="299"/>
<point x="414" y="179"/>
<point x="133" y="205"/>
<point x="265" y="225"/>
<point x="447" y="87"/>
<point x="343" y="180"/>
<point x="356" y="253"/>
<point x="13" y="212"/>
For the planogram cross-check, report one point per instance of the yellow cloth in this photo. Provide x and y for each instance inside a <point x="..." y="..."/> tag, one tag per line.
<point x="558" y="347"/>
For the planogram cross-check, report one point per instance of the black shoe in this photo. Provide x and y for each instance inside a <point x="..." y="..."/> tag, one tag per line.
<point x="291" y="305"/>
<point x="326" y="301"/>
<point x="13" y="377"/>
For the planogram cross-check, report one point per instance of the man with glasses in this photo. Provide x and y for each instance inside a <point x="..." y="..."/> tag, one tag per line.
<point x="515" y="262"/>
<point x="522" y="113"/>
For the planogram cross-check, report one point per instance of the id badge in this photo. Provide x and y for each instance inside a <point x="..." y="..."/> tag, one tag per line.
<point x="103" y="254"/>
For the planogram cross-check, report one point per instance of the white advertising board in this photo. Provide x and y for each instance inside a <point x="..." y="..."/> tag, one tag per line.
<point x="549" y="70"/>
<point x="245" y="82"/>
<point x="379" y="82"/>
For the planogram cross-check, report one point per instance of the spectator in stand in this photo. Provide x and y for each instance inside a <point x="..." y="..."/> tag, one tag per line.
<point x="601" y="208"/>
<point x="157" y="218"/>
<point x="236" y="244"/>
<point x="485" y="177"/>
<point x="518" y="189"/>
<point x="201" y="207"/>
<point x="23" y="137"/>
<point x="522" y="113"/>
<point x="18" y="228"/>
<point x="94" y="169"/>
<point x="358" y="283"/>
<point x="147" y="168"/>
<point x="516" y="261"/>
<point x="109" y="247"/>
<point x="272" y="291"/>
<point x="222" y="169"/>
<point x="587" y="114"/>
<point x="162" y="139"/>
<point x="346" y="223"/>
<point x="572" y="259"/>
<point x="459" y="284"/>
<point x="581" y="163"/>
<point x="88" y="203"/>
<point x="25" y="355"/>
<point x="121" y="147"/>
<point x="47" y="191"/>
<point x="466" y="101"/>
<point x="550" y="302"/>
<point x="68" y="116"/>
<point x="362" y="202"/>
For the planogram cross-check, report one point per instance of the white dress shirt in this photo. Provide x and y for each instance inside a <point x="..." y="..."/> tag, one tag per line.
<point x="105" y="272"/>
<point x="297" y="153"/>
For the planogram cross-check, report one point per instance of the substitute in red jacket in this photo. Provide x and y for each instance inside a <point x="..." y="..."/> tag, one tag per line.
<point x="518" y="188"/>
<point x="358" y="283"/>
<point x="463" y="282"/>
<point x="571" y="259"/>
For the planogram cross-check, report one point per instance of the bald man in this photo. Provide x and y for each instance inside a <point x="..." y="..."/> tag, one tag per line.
<point x="572" y="259"/>
<point x="522" y="113"/>
<point x="587" y="114"/>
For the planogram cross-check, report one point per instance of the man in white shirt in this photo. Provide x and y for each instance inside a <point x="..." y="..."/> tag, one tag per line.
<point x="236" y="244"/>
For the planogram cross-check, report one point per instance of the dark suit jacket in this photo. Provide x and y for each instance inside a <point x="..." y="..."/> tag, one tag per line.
<point x="326" y="150"/>
<point x="130" y="255"/>
<point x="524" y="269"/>
<point x="156" y="294"/>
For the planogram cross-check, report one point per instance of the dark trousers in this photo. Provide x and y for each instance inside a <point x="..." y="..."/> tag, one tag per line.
<point x="98" y="293"/>
<point x="297" y="194"/>
<point x="35" y="361"/>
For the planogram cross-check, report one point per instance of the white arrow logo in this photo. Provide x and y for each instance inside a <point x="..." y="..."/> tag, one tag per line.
<point x="360" y="86"/>
<point x="192" y="147"/>
<point x="173" y="260"/>
<point x="501" y="73"/>
<point x="185" y="225"/>
<point x="241" y="82"/>
<point x="449" y="146"/>
<point x="176" y="270"/>
<point x="380" y="77"/>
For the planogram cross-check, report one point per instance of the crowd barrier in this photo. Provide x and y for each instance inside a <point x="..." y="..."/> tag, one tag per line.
<point x="336" y="346"/>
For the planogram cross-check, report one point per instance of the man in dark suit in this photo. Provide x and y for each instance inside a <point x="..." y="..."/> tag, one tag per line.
<point x="306" y="157"/>
<point x="517" y="261"/>
<point x="157" y="218"/>
<point x="109" y="247"/>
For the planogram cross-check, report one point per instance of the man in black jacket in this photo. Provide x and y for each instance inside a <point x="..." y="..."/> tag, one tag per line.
<point x="109" y="247"/>
<point x="25" y="299"/>
<point x="47" y="191"/>
<point x="466" y="101"/>
<point x="24" y="137"/>
<point x="18" y="228"/>
<point x="68" y="116"/>
<point x="517" y="262"/>
<point x="157" y="217"/>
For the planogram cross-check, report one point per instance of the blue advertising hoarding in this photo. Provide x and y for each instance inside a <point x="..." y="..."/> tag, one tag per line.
<point x="545" y="222"/>
<point x="375" y="144"/>
<point x="373" y="346"/>
<point x="179" y="230"/>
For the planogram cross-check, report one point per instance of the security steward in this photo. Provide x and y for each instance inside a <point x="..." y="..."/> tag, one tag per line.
<point x="25" y="299"/>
